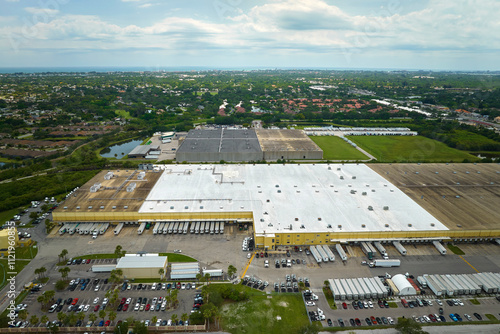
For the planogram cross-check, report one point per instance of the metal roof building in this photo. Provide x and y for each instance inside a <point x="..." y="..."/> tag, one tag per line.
<point x="402" y="284"/>
<point x="142" y="265"/>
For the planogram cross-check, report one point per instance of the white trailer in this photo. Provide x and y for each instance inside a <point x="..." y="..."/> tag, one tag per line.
<point x="385" y="263"/>
<point x="450" y="290"/>
<point x="155" y="229"/>
<point x="333" y="288"/>
<point x="435" y="286"/>
<point x="165" y="228"/>
<point x="380" y="248"/>
<point x="346" y="287"/>
<point x="363" y="286"/>
<point x="341" y="252"/>
<point x="193" y="226"/>
<point x="197" y="228"/>
<point x="315" y="254"/>
<point x="161" y="227"/>
<point x="399" y="247"/>
<point x="212" y="228"/>
<point x="104" y="228"/>
<point x="329" y="253"/>
<point x="141" y="228"/>
<point x="185" y="228"/>
<point x="458" y="287"/>
<point x="322" y="253"/>
<point x="202" y="227"/>
<point x="221" y="227"/>
<point x="369" y="284"/>
<point x="118" y="228"/>
<point x="73" y="229"/>
<point x="355" y="293"/>
<point x="176" y="228"/>
<point x="171" y="228"/>
<point x="62" y="230"/>
<point x="439" y="247"/>
<point x="207" y="227"/>
<point x="381" y="286"/>
<point x="81" y="228"/>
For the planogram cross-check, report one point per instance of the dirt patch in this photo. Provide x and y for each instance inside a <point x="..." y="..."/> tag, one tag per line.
<point x="283" y="304"/>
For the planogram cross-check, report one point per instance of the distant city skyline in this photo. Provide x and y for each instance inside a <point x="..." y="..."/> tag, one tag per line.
<point x="362" y="34"/>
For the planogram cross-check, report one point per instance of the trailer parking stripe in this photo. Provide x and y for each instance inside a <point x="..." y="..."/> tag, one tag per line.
<point x="248" y="265"/>
<point x="468" y="263"/>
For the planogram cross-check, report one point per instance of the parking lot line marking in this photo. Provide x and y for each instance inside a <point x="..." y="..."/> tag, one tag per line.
<point x="468" y="263"/>
<point x="248" y="265"/>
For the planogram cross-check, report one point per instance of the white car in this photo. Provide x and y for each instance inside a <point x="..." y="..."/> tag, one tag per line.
<point x="105" y="302"/>
<point x="153" y="287"/>
<point x="154" y="300"/>
<point x="147" y="323"/>
<point x="169" y="322"/>
<point x="128" y="300"/>
<point x="440" y="303"/>
<point x="460" y="302"/>
<point x="136" y="308"/>
<point x="391" y="321"/>
<point x="370" y="304"/>
<point x="96" y="300"/>
<point x="96" y="288"/>
<point x="310" y="303"/>
<point x="158" y="322"/>
<point x="430" y="303"/>
<point x="86" y="308"/>
<point x="249" y="255"/>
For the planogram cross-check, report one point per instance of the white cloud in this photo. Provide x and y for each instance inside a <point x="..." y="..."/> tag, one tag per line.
<point x="146" y="5"/>
<point x="41" y="11"/>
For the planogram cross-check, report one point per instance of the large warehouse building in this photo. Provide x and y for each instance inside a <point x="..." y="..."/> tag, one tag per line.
<point x="142" y="265"/>
<point x="288" y="204"/>
<point x="238" y="145"/>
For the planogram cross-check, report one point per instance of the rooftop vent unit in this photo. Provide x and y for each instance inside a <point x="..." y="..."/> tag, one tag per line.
<point x="102" y="207"/>
<point x="329" y="226"/>
<point x="386" y="225"/>
<point x="125" y="207"/>
<point x="78" y="208"/>
<point x="363" y="225"/>
<point x="186" y="207"/>
<point x="432" y="224"/>
<point x="353" y="191"/>
<point x="268" y="201"/>
<point x="386" y="208"/>
<point x="410" y="225"/>
<point x="370" y="208"/>
<point x="363" y="193"/>
<point x="354" y="177"/>
<point x="373" y="190"/>
<point x="296" y="219"/>
<point x="319" y="218"/>
<point x="262" y="220"/>
<point x="329" y="168"/>
<point x="302" y="226"/>
<point x="114" y="207"/>
<point x="90" y="206"/>
<point x="279" y="191"/>
<point x="65" y="207"/>
<point x="341" y="177"/>
<point x="339" y="226"/>
<point x="338" y="168"/>
<point x="298" y="191"/>
<point x="171" y="208"/>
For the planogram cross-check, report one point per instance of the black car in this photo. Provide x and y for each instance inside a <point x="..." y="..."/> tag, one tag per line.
<point x="449" y="302"/>
<point x="379" y="321"/>
<point x="59" y="308"/>
<point x="78" y="323"/>
<point x="441" y="311"/>
<point x="368" y="321"/>
<point x="139" y="286"/>
<point x="385" y="321"/>
<point x="360" y="305"/>
<point x="106" y="281"/>
<point x="329" y="322"/>
<point x="139" y="300"/>
<point x="478" y="316"/>
<point x="69" y="300"/>
<point x="355" y="305"/>
<point x="386" y="304"/>
<point x="353" y="323"/>
<point x="120" y="307"/>
<point x="341" y="322"/>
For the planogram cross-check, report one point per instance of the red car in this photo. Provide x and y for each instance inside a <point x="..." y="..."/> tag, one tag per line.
<point x="344" y="305"/>
<point x="74" y="301"/>
<point x="88" y="261"/>
<point x="125" y="307"/>
<point x="178" y="285"/>
<point x="261" y="254"/>
<point x="374" y="321"/>
<point x="358" y="322"/>
<point x="148" y="307"/>
<point x="96" y="308"/>
<point x="107" y="323"/>
<point x="123" y="301"/>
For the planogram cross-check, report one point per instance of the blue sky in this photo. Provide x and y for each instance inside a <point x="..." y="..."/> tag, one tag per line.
<point x="426" y="34"/>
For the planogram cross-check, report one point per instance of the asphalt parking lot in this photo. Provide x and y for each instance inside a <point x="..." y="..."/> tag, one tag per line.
<point x="219" y="251"/>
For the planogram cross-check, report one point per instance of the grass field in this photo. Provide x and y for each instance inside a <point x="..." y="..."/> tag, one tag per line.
<point x="8" y="215"/>
<point x="259" y="314"/>
<point x="410" y="149"/>
<point x="455" y="249"/>
<point x="123" y="114"/>
<point x="335" y="148"/>
<point x="172" y="257"/>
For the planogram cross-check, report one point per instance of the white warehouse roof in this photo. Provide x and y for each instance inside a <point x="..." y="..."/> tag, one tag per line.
<point x="404" y="287"/>
<point x="291" y="198"/>
<point x="142" y="262"/>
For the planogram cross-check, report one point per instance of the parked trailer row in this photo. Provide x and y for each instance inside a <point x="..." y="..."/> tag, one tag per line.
<point x="368" y="249"/>
<point x="188" y="227"/>
<point x="329" y="253"/>
<point x="399" y="247"/>
<point x="341" y="252"/>
<point x="316" y="254"/>
<point x="357" y="288"/>
<point x="141" y="228"/>
<point x="322" y="253"/>
<point x="450" y="285"/>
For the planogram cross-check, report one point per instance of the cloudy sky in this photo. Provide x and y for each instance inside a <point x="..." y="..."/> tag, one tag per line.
<point x="406" y="34"/>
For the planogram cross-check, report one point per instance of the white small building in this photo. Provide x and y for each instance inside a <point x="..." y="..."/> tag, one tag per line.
<point x="142" y="266"/>
<point x="404" y="287"/>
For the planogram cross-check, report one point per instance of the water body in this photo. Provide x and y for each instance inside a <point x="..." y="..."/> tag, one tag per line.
<point x="120" y="150"/>
<point x="2" y="164"/>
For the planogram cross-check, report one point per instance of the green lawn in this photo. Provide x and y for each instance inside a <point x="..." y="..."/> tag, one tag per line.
<point x="8" y="215"/>
<point x="259" y="314"/>
<point x="123" y="114"/>
<point x="410" y="149"/>
<point x="455" y="249"/>
<point x="335" y="148"/>
<point x="4" y="268"/>
<point x="172" y="257"/>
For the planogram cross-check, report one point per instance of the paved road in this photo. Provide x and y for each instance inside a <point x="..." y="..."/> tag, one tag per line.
<point x="465" y="329"/>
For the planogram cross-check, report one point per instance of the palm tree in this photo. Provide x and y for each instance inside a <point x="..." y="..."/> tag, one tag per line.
<point x="63" y="254"/>
<point x="209" y="312"/>
<point x="34" y="320"/>
<point x="61" y="316"/>
<point x="102" y="314"/>
<point x="154" y="320"/>
<point x="112" y="315"/>
<point x="92" y="317"/>
<point x="161" y="271"/>
<point x="81" y="316"/>
<point x="184" y="318"/>
<point x="231" y="270"/>
<point x="207" y="278"/>
<point x="23" y="315"/>
<point x="64" y="271"/>
<point x="44" y="319"/>
<point x="198" y="277"/>
<point x="42" y="271"/>
<point x="174" y="318"/>
<point x="37" y="271"/>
